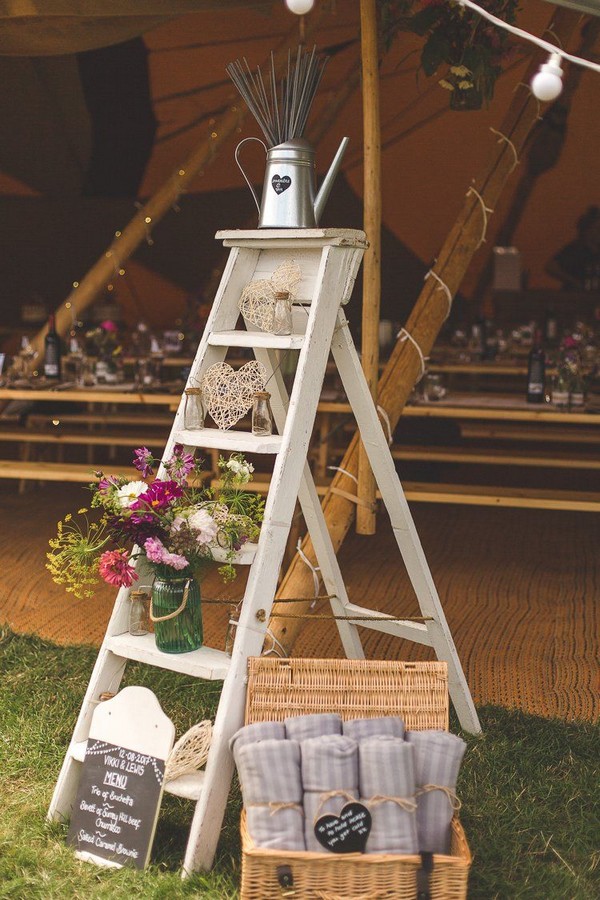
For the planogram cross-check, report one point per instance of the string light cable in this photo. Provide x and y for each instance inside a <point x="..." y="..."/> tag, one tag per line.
<point x="551" y="70"/>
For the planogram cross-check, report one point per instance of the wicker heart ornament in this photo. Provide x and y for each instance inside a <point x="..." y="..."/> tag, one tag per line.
<point x="257" y="303"/>
<point x="229" y="394"/>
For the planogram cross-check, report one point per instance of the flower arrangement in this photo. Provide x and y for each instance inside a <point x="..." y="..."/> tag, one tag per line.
<point x="570" y="365"/>
<point x="104" y="341"/>
<point x="171" y="523"/>
<point x="472" y="49"/>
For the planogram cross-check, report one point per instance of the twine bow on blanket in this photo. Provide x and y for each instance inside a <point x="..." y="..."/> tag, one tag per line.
<point x="452" y="798"/>
<point x="275" y="806"/>
<point x="329" y="795"/>
<point x="405" y="803"/>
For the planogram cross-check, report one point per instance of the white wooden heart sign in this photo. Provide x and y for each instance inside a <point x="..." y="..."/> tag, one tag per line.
<point x="229" y="394"/>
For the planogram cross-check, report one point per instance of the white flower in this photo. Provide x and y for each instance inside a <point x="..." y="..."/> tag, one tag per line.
<point x="242" y="470"/>
<point x="128" y="493"/>
<point x="204" y="526"/>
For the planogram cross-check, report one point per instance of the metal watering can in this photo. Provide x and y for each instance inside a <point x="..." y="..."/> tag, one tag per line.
<point x="288" y="197"/>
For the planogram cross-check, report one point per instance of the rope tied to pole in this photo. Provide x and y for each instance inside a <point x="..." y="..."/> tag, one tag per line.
<point x="404" y="335"/>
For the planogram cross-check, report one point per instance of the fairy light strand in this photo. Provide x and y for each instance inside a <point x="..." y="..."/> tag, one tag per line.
<point x="526" y="36"/>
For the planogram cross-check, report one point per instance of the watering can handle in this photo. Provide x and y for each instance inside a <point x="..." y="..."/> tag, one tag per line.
<point x="237" y="150"/>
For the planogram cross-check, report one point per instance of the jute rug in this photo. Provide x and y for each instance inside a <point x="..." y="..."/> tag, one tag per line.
<point x="519" y="588"/>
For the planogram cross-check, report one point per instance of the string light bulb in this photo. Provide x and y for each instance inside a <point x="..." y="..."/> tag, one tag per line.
<point x="299" y="7"/>
<point x="547" y="83"/>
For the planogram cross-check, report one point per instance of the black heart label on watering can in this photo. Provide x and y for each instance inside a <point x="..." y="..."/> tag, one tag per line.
<point x="346" y="833"/>
<point x="280" y="183"/>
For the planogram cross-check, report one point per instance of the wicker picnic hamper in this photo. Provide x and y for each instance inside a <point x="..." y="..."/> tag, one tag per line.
<point x="418" y="692"/>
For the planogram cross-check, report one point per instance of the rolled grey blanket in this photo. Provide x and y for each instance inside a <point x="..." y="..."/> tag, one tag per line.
<point x="387" y="788"/>
<point x="258" y="731"/>
<point x="301" y="728"/>
<point x="330" y="779"/>
<point x="437" y="759"/>
<point x="361" y="729"/>
<point x="271" y="785"/>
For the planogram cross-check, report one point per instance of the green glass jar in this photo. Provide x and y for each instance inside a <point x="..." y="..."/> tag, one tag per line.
<point x="177" y="615"/>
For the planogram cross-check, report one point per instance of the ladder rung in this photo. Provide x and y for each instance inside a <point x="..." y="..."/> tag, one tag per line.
<point x="256" y="339"/>
<point x="188" y="786"/>
<point x="206" y="662"/>
<point x="412" y="631"/>
<point x="242" y="441"/>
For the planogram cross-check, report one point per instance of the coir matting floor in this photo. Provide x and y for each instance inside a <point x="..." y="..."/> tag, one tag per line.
<point x="520" y="589"/>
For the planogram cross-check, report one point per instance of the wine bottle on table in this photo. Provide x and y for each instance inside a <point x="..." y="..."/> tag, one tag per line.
<point x="52" y="351"/>
<point x="536" y="372"/>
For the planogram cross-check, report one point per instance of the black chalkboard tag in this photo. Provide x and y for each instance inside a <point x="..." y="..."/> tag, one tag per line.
<point x="281" y="183"/>
<point x="121" y="784"/>
<point x="346" y="833"/>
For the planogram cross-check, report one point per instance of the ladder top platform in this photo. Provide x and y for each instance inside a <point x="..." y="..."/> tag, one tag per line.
<point x="272" y="237"/>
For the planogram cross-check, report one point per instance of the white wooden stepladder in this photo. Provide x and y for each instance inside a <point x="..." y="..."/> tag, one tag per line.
<point x="329" y="260"/>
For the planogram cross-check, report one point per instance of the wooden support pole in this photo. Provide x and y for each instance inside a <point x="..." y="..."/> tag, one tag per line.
<point x="424" y="323"/>
<point x="365" y="516"/>
<point x="138" y="229"/>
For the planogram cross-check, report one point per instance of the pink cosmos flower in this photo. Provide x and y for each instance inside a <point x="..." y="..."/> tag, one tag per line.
<point x="158" y="495"/>
<point x="115" y="568"/>
<point x="143" y="460"/>
<point x="106" y="483"/>
<point x="180" y="464"/>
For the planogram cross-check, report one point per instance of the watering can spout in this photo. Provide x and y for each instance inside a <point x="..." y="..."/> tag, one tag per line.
<point x="321" y="198"/>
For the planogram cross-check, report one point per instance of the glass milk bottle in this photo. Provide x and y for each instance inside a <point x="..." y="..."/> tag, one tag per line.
<point x="282" y="313"/>
<point x="138" y="612"/>
<point x="193" y="411"/>
<point x="262" y="419"/>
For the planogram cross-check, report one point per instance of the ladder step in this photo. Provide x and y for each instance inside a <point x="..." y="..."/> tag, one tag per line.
<point x="241" y="441"/>
<point x="260" y="339"/>
<point x="412" y="631"/>
<point x="187" y="786"/>
<point x="206" y="662"/>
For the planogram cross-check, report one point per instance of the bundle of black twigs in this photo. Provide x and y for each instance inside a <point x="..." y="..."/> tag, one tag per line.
<point x="281" y="109"/>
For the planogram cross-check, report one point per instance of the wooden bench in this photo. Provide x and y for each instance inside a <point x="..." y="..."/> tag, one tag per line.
<point x="26" y="470"/>
<point x="494" y="457"/>
<point x="508" y="432"/>
<point x="478" y="495"/>
<point x="85" y="438"/>
<point x="40" y="420"/>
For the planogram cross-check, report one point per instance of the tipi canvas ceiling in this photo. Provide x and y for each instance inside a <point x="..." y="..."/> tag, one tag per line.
<point x="430" y="153"/>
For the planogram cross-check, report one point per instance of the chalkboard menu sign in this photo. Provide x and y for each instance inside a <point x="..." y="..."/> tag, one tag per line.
<point x="118" y="797"/>
<point x="121" y="783"/>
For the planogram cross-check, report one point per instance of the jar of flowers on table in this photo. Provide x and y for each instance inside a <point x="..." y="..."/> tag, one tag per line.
<point x="104" y="346"/>
<point x="165" y="521"/>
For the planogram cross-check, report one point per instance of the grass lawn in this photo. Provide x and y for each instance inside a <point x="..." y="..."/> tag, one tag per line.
<point x="529" y="788"/>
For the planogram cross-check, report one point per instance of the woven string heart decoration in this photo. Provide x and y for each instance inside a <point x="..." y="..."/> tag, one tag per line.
<point x="229" y="394"/>
<point x="257" y="303"/>
<point x="190" y="752"/>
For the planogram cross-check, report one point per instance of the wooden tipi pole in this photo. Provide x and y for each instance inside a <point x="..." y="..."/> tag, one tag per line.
<point x="371" y="299"/>
<point x="126" y="242"/>
<point x="429" y="314"/>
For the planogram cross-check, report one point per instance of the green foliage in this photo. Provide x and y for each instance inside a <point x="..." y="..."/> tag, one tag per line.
<point x="471" y="50"/>
<point x="528" y="788"/>
<point x="435" y="51"/>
